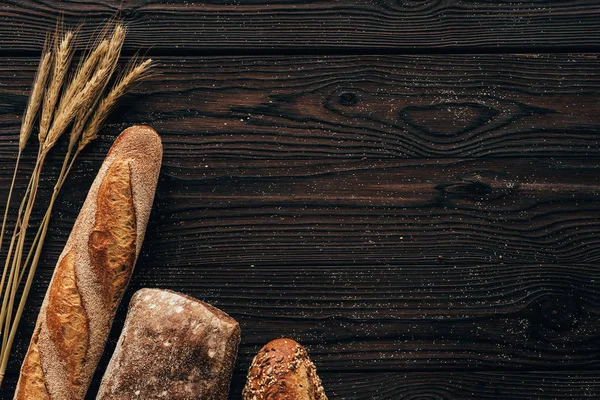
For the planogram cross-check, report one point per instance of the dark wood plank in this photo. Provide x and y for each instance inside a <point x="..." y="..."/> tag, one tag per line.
<point x="366" y="212"/>
<point x="252" y="25"/>
<point x="498" y="385"/>
<point x="355" y="107"/>
<point x="459" y="386"/>
<point x="464" y="386"/>
<point x="361" y="212"/>
<point x="391" y="318"/>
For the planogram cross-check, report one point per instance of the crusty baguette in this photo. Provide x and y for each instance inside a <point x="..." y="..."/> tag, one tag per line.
<point x="173" y="347"/>
<point x="93" y="271"/>
<point x="282" y="371"/>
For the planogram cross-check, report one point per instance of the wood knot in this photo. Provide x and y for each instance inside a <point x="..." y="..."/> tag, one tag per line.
<point x="478" y="186"/>
<point x="128" y="13"/>
<point x="348" y="99"/>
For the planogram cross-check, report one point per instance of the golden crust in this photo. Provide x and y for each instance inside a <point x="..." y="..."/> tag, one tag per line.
<point x="282" y="371"/>
<point x="136" y="155"/>
<point x="112" y="242"/>
<point x="33" y="384"/>
<point x="67" y="320"/>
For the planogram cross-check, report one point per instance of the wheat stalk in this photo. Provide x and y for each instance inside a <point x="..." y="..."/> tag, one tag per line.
<point x="33" y="105"/>
<point x="78" y="103"/>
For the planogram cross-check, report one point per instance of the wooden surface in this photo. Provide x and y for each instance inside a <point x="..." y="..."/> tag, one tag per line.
<point x="319" y="25"/>
<point x="426" y="224"/>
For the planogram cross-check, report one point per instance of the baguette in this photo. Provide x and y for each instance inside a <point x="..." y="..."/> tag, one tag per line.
<point x="93" y="271"/>
<point x="282" y="371"/>
<point x="173" y="347"/>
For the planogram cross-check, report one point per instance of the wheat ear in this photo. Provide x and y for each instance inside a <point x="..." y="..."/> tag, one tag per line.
<point x="109" y="61"/>
<point x="132" y="76"/>
<point x="62" y="60"/>
<point x="66" y="115"/>
<point x="84" y="72"/>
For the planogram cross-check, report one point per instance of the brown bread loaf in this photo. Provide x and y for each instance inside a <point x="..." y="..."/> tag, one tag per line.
<point x="282" y="371"/>
<point x="172" y="347"/>
<point x="93" y="271"/>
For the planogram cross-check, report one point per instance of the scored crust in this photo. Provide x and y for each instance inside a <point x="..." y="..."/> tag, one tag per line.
<point x="68" y="322"/>
<point x="112" y="242"/>
<point x="32" y="376"/>
<point x="282" y="370"/>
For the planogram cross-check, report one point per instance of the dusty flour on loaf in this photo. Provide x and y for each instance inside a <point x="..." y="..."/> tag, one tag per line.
<point x="174" y="347"/>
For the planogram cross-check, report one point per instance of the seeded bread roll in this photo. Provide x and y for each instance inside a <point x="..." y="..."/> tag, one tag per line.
<point x="93" y="272"/>
<point x="172" y="347"/>
<point x="282" y="371"/>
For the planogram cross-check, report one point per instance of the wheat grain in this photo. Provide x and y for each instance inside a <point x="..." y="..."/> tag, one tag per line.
<point x="66" y="115"/>
<point x="109" y="61"/>
<point x="62" y="60"/>
<point x="84" y="72"/>
<point x="35" y="99"/>
<point x="94" y="61"/>
<point x="113" y="52"/>
<point x="132" y="76"/>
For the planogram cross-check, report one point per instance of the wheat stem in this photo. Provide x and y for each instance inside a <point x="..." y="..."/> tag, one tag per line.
<point x="16" y="261"/>
<point x="33" y="105"/>
<point x="33" y="245"/>
<point x="12" y="184"/>
<point x="64" y="172"/>
<point x="15" y="236"/>
<point x="13" y="330"/>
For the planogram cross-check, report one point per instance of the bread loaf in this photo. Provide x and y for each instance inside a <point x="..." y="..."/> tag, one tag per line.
<point x="93" y="271"/>
<point x="172" y="347"/>
<point x="282" y="371"/>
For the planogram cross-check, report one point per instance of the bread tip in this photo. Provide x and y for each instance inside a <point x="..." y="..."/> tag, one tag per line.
<point x="220" y="314"/>
<point x="282" y="370"/>
<point x="282" y="343"/>
<point x="141" y="140"/>
<point x="144" y="133"/>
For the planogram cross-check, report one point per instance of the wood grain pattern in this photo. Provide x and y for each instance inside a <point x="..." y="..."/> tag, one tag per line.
<point x="390" y="317"/>
<point x="443" y="211"/>
<point x="425" y="224"/>
<point x="354" y="107"/>
<point x="461" y="386"/>
<point x="329" y="253"/>
<point x="386" y="318"/>
<point x="492" y="385"/>
<point x="254" y="25"/>
<point x="361" y="212"/>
